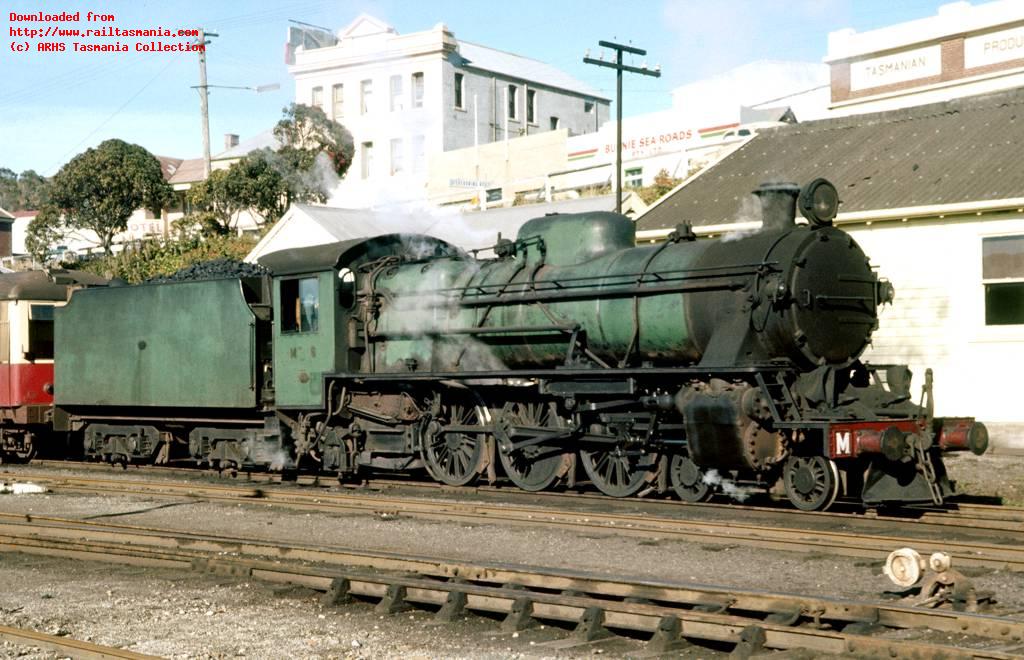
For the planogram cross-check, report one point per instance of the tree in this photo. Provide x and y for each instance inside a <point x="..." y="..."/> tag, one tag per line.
<point x="305" y="133"/>
<point x="22" y="193"/>
<point x="252" y="183"/>
<point x="33" y="190"/>
<point x="99" y="189"/>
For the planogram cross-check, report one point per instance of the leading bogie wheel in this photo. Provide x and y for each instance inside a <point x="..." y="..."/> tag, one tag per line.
<point x="812" y="482"/>
<point x="537" y="466"/>
<point x="457" y="458"/>
<point x="687" y="479"/>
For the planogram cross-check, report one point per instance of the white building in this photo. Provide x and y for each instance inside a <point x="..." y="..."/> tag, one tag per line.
<point x="404" y="97"/>
<point x="963" y="50"/>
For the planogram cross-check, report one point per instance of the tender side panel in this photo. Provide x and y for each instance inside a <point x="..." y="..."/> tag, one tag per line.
<point x="186" y="344"/>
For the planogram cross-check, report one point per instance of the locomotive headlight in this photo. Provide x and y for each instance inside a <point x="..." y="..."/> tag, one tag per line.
<point x="886" y="292"/>
<point x="819" y="202"/>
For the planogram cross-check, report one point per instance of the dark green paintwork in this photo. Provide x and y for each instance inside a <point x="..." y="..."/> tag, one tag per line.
<point x="581" y="246"/>
<point x="186" y="344"/>
<point x="301" y="358"/>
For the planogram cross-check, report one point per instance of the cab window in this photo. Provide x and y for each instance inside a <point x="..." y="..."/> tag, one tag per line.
<point x="300" y="305"/>
<point x="40" y="332"/>
<point x="346" y="288"/>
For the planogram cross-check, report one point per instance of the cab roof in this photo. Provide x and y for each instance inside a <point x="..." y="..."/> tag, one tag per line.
<point x="44" y="285"/>
<point x="317" y="258"/>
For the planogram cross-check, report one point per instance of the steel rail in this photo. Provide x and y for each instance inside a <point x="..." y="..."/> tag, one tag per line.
<point x="966" y="514"/>
<point x="670" y="611"/>
<point x="67" y="646"/>
<point x="863" y="543"/>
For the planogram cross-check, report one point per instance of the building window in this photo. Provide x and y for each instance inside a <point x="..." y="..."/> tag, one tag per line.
<point x="460" y="91"/>
<point x="397" y="102"/>
<point x="634" y="177"/>
<point x="300" y="305"/>
<point x="417" y="90"/>
<point x="338" y="101"/>
<point x="366" y="157"/>
<point x="1002" y="273"/>
<point x="365" y="96"/>
<point x="419" y="154"/>
<point x="554" y="123"/>
<point x="531" y="106"/>
<point x="318" y="97"/>
<point x="397" y="166"/>
<point x="513" y="104"/>
<point x="588" y="107"/>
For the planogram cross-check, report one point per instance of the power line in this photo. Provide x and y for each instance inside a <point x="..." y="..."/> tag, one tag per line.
<point x="106" y="121"/>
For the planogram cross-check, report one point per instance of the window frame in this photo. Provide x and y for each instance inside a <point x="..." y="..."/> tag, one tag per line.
<point x="990" y="283"/>
<point x="417" y="89"/>
<point x="365" y="95"/>
<point x="531" y="106"/>
<point x="396" y="102"/>
<point x="337" y="100"/>
<point x="316" y="97"/>
<point x="459" y="100"/>
<point x="366" y="159"/>
<point x="396" y="146"/>
<point x="512" y="101"/>
<point x="633" y="177"/>
<point x="296" y="298"/>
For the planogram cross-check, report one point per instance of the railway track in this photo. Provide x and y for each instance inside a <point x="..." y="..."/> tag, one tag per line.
<point x="992" y="542"/>
<point x="67" y="647"/>
<point x="591" y="606"/>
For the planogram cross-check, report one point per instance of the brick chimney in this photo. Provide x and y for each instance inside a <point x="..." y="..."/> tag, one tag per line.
<point x="230" y="140"/>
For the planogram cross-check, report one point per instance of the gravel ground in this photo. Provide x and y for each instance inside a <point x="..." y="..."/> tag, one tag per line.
<point x="193" y="616"/>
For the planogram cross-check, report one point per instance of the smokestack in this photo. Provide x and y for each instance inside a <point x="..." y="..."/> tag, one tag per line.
<point x="230" y="140"/>
<point x="778" y="205"/>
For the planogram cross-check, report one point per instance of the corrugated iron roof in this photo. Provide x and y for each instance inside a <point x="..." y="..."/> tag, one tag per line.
<point x="189" y="171"/>
<point x="523" y="68"/>
<point x="965" y="150"/>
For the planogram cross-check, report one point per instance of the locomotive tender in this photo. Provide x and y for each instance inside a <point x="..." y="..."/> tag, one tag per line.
<point x="572" y="354"/>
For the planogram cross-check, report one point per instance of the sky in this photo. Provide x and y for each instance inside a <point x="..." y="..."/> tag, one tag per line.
<point x="55" y="105"/>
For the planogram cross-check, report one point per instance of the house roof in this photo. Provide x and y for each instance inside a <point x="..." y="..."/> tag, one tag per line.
<point x="258" y="141"/>
<point x="523" y="68"/>
<point x="168" y="165"/>
<point x="189" y="171"/>
<point x="965" y="150"/>
<point x="25" y="214"/>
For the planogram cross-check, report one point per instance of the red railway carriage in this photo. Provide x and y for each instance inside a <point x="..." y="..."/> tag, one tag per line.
<point x="27" y="301"/>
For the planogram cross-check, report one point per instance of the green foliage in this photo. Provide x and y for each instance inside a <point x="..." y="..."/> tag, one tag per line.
<point x="154" y="259"/>
<point x="305" y="133"/>
<point x="663" y="183"/>
<point x="27" y="191"/>
<point x="251" y="183"/>
<point x="99" y="189"/>
<point x="43" y="233"/>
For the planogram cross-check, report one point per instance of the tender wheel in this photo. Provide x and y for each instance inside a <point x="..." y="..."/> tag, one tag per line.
<point x="533" y="467"/>
<point x="812" y="482"/>
<point x="457" y="458"/>
<point x="618" y="472"/>
<point x="27" y="451"/>
<point x="688" y="480"/>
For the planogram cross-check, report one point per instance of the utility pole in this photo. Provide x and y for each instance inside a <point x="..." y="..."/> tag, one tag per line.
<point x="619" y="68"/>
<point x="204" y="92"/>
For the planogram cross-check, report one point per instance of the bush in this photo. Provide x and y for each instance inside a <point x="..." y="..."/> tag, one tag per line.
<point x="155" y="259"/>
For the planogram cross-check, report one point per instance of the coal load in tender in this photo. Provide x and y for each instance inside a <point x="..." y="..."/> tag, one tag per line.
<point x="215" y="269"/>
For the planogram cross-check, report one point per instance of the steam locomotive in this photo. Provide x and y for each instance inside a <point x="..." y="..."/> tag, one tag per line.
<point x="571" y="355"/>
